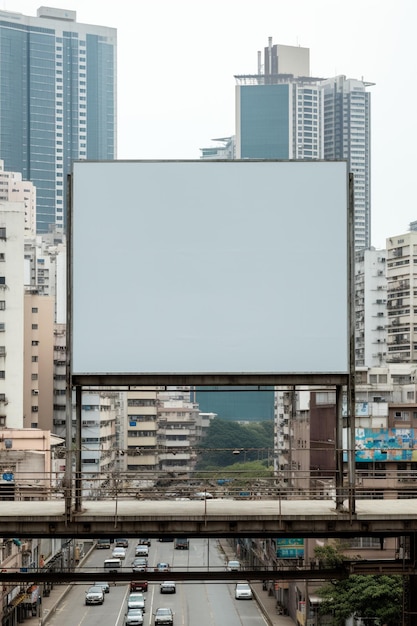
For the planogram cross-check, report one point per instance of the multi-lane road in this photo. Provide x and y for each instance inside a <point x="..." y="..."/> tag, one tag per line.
<point x="202" y="603"/>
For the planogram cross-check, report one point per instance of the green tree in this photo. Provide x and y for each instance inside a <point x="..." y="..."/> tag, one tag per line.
<point x="223" y="437"/>
<point x="377" y="600"/>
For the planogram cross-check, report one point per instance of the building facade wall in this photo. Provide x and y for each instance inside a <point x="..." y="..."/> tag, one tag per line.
<point x="38" y="361"/>
<point x="401" y="298"/>
<point x="11" y="314"/>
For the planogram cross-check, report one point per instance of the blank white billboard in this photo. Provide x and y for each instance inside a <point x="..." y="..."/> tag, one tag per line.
<point x="209" y="267"/>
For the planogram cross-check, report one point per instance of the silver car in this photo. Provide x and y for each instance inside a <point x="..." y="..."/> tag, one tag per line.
<point x="168" y="586"/>
<point x="94" y="595"/>
<point x="136" y="601"/>
<point x="134" y="617"/>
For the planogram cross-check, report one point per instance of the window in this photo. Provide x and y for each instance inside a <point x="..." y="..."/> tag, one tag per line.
<point x="140" y="402"/>
<point x="325" y="397"/>
<point x="34" y="309"/>
<point x="2" y="232"/>
<point x="34" y="327"/>
<point x="364" y="542"/>
<point x="35" y="359"/>
<point x="2" y="374"/>
<point x="2" y="305"/>
<point x="2" y="280"/>
<point x="34" y="377"/>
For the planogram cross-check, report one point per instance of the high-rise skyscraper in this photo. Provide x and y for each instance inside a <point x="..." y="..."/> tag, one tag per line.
<point x="57" y="101"/>
<point x="284" y="113"/>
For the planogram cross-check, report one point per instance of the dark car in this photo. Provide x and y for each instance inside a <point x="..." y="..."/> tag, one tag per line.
<point x="121" y="543"/>
<point x="144" y="541"/>
<point x="104" y="585"/>
<point x="181" y="544"/>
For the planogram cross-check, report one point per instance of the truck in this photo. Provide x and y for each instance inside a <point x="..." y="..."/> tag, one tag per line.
<point x="181" y="544"/>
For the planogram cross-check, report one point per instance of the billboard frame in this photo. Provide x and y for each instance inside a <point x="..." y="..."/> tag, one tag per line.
<point x="169" y="378"/>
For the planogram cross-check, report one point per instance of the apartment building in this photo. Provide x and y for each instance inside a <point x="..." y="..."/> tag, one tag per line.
<point x="370" y="308"/>
<point x="11" y="314"/>
<point x="98" y="443"/>
<point x="38" y="378"/>
<point x="401" y="298"/>
<point x="14" y="189"/>
<point x="141" y="430"/>
<point x="59" y="380"/>
<point x="178" y="418"/>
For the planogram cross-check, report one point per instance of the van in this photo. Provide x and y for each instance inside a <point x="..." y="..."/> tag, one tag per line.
<point x="102" y="544"/>
<point x="112" y="565"/>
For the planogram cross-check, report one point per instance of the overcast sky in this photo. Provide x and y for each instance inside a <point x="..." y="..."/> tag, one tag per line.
<point x="177" y="60"/>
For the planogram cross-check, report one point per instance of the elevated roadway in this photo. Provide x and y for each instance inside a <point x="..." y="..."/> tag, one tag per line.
<point x="215" y="518"/>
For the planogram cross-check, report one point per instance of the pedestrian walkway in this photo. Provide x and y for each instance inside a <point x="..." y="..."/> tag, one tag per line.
<point x="48" y="605"/>
<point x="50" y="602"/>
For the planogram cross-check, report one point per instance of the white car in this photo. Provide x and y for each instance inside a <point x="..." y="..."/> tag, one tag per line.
<point x="142" y="550"/>
<point x="119" y="553"/>
<point x="243" y="591"/>
<point x="168" y="586"/>
<point x="233" y="566"/>
<point x="136" y="601"/>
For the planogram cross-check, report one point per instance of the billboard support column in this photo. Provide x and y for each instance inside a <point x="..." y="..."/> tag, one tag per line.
<point x="351" y="401"/>
<point x="339" y="447"/>
<point x="78" y="439"/>
<point x="67" y="482"/>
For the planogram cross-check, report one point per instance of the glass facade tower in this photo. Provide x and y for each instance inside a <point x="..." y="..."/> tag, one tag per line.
<point x="283" y="113"/>
<point x="57" y="101"/>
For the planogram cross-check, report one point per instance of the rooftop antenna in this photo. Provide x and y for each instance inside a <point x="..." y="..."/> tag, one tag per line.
<point x="269" y="55"/>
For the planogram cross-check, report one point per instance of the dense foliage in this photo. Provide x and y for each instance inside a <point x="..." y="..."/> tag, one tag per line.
<point x="228" y="443"/>
<point x="377" y="600"/>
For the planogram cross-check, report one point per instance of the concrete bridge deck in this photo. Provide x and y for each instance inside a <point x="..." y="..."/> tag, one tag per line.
<point x="208" y="518"/>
